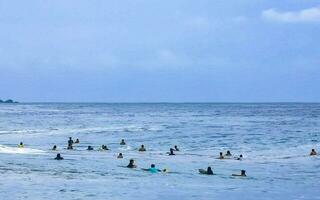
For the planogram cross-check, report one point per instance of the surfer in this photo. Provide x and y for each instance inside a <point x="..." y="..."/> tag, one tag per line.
<point x="131" y="164"/>
<point x="208" y="171"/>
<point x="90" y="148"/>
<point x="171" y="153"/>
<point x="153" y="169"/>
<point x="122" y="142"/>
<point x="243" y="173"/>
<point x="21" y="145"/>
<point x="221" y="156"/>
<point x="142" y="148"/>
<point x="77" y="141"/>
<point x="228" y="153"/>
<point x="58" y="157"/>
<point x="120" y="155"/>
<point x="104" y="147"/>
<point x="313" y="152"/>
<point x="54" y="147"/>
<point x="70" y="143"/>
<point x="240" y="157"/>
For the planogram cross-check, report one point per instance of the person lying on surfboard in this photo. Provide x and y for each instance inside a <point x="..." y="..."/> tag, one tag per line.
<point x="243" y="173"/>
<point x="207" y="172"/>
<point x="131" y="164"/>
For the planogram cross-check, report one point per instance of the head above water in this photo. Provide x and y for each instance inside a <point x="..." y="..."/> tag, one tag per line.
<point x="241" y="156"/>
<point x="131" y="161"/>
<point x="243" y="172"/>
<point x="153" y="165"/>
<point x="221" y="153"/>
<point x="21" y="143"/>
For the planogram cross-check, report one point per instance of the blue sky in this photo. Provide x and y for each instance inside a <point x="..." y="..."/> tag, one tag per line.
<point x="158" y="50"/>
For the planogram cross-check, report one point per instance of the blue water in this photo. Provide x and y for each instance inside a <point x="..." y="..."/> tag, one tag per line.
<point x="275" y="140"/>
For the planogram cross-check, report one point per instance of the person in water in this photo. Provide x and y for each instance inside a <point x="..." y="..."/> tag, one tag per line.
<point x="171" y="153"/>
<point x="313" y="152"/>
<point x="153" y="169"/>
<point x="142" y="148"/>
<point x="228" y="153"/>
<point x="104" y="147"/>
<point x="70" y="143"/>
<point x="221" y="156"/>
<point x="54" y="147"/>
<point x="243" y="173"/>
<point x="240" y="157"/>
<point x="176" y="148"/>
<point x="131" y="164"/>
<point x="120" y="155"/>
<point x="77" y="141"/>
<point x="58" y="157"/>
<point x="90" y="148"/>
<point x="21" y="145"/>
<point x="208" y="171"/>
<point x="122" y="142"/>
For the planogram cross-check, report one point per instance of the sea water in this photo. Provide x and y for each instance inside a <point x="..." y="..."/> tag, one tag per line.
<point x="275" y="140"/>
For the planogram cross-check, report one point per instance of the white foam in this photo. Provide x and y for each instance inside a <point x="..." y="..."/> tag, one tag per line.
<point x="17" y="150"/>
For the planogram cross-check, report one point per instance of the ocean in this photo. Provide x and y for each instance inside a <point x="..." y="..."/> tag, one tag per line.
<point x="275" y="140"/>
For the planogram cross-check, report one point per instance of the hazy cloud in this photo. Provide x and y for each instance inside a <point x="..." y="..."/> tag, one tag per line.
<point x="305" y="15"/>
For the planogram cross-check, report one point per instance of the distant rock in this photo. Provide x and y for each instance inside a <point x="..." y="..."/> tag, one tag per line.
<point x="8" y="101"/>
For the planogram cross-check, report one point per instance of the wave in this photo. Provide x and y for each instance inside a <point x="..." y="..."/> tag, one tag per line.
<point x="17" y="150"/>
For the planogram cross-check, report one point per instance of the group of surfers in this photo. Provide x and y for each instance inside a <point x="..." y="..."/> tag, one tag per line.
<point x="153" y="168"/>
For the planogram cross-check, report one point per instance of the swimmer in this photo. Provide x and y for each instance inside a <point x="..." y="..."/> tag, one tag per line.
<point x="171" y="152"/>
<point x="90" y="148"/>
<point x="207" y="172"/>
<point x="142" y="148"/>
<point x="21" y="145"/>
<point x="153" y="169"/>
<point x="240" y="157"/>
<point x="122" y="142"/>
<point x="54" y="147"/>
<point x="313" y="152"/>
<point x="243" y="173"/>
<point x="221" y="156"/>
<point x="58" y="157"/>
<point x="120" y="155"/>
<point x="228" y="153"/>
<point x="77" y="141"/>
<point x="131" y="164"/>
<point x="176" y="148"/>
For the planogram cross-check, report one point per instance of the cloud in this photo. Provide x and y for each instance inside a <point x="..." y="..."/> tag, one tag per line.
<point x="305" y="15"/>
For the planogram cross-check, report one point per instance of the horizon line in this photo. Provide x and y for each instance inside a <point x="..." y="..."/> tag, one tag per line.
<point x="170" y="102"/>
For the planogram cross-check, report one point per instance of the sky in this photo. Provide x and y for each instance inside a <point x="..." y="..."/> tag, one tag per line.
<point x="160" y="50"/>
